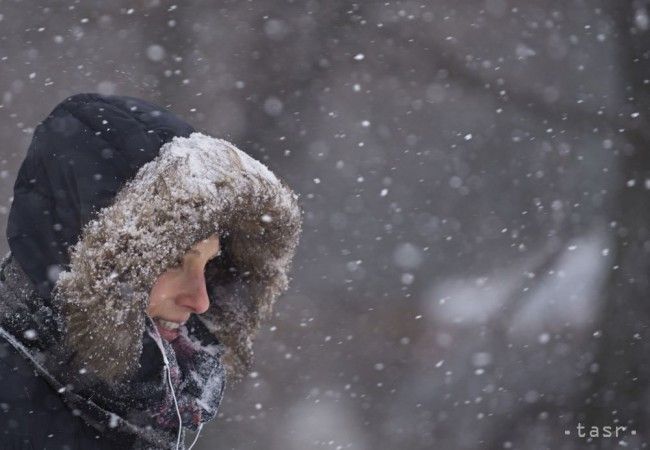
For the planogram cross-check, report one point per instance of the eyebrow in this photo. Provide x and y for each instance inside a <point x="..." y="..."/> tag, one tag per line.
<point x="199" y="253"/>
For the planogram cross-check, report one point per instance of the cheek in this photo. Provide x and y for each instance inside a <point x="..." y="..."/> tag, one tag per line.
<point x="161" y="294"/>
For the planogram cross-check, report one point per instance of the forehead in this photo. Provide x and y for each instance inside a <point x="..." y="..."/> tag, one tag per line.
<point x="209" y="246"/>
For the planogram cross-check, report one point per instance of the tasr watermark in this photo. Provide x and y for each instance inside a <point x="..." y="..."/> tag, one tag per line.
<point x="597" y="432"/>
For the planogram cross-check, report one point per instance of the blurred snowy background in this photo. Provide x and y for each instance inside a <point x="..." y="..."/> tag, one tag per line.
<point x="473" y="272"/>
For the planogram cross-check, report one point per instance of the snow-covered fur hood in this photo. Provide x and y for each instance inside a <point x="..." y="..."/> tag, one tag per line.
<point x="195" y="187"/>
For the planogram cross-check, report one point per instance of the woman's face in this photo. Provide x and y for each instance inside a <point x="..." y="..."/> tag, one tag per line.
<point x="181" y="291"/>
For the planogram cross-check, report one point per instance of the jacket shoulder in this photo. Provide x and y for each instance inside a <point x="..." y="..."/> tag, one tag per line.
<point x="33" y="415"/>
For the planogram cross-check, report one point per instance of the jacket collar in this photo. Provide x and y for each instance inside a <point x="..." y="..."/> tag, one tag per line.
<point x="32" y="328"/>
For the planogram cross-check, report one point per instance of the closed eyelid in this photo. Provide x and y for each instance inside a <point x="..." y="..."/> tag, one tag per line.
<point x="198" y="253"/>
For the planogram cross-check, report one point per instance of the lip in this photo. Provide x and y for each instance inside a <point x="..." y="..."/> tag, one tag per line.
<point x="166" y="333"/>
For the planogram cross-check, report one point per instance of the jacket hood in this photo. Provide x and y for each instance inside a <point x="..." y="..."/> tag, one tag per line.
<point x="112" y="192"/>
<point x="196" y="186"/>
<point x="80" y="156"/>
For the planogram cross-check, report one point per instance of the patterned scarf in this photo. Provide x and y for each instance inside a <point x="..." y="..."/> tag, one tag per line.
<point x="196" y="375"/>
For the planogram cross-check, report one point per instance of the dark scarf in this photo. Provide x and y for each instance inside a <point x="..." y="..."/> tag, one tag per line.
<point x="141" y="412"/>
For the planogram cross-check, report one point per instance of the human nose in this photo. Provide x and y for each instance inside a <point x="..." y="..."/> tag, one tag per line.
<point x="195" y="294"/>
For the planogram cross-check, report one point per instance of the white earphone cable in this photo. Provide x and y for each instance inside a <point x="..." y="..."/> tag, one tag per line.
<point x="171" y="386"/>
<point x="178" y="413"/>
<point x="196" y="438"/>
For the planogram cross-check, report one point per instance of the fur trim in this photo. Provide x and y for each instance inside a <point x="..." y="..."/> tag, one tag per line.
<point x="197" y="186"/>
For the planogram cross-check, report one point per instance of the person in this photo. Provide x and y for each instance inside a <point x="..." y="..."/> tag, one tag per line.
<point x="143" y="256"/>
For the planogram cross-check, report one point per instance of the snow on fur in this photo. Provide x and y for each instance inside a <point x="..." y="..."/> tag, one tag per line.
<point x="197" y="186"/>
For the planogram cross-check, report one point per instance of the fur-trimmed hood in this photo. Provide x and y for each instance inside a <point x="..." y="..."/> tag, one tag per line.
<point x="196" y="186"/>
